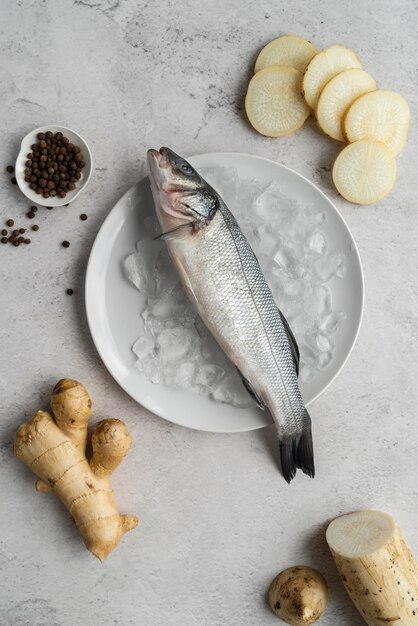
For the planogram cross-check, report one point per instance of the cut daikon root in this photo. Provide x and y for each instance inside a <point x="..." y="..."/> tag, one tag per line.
<point x="336" y="97"/>
<point x="324" y="66"/>
<point x="273" y="102"/>
<point x="364" y="172"/>
<point x="382" y="115"/>
<point x="289" y="50"/>
<point x="376" y="566"/>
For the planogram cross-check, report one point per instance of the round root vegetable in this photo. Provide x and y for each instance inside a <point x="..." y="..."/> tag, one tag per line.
<point x="55" y="451"/>
<point x="376" y="566"/>
<point x="364" y="172"/>
<point x="298" y="595"/>
<point x="273" y="102"/>
<point x="382" y="115"/>
<point x="324" y="66"/>
<point x="336" y="97"/>
<point x="71" y="405"/>
<point x="289" y="50"/>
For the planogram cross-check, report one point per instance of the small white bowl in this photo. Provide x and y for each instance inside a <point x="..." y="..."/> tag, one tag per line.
<point x="25" y="148"/>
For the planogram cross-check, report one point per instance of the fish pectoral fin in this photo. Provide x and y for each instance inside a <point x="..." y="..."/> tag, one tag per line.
<point x="292" y="341"/>
<point x="189" y="227"/>
<point x="252" y="391"/>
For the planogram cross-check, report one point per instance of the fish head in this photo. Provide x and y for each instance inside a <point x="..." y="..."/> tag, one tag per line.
<point x="181" y="195"/>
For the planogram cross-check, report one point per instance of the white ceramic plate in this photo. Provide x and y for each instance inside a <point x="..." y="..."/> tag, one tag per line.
<point x="113" y="304"/>
<point x="25" y="148"/>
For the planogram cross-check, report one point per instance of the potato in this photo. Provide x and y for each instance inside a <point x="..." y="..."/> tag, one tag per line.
<point x="336" y="97"/>
<point x="273" y="102"/>
<point x="364" y="172"/>
<point x="324" y="66"/>
<point x="289" y="50"/>
<point x="298" y="595"/>
<point x="383" y="115"/>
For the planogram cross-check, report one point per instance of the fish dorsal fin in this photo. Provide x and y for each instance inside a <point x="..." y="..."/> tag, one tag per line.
<point x="251" y="391"/>
<point x="292" y="342"/>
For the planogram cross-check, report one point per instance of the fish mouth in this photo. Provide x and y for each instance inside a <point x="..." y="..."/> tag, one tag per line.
<point x="159" y="158"/>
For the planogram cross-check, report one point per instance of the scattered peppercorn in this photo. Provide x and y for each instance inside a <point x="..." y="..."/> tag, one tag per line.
<point x="10" y="169"/>
<point x="33" y="208"/>
<point x="83" y="217"/>
<point x="66" y="244"/>
<point x="4" y="240"/>
<point x="31" y="215"/>
<point x="27" y="240"/>
<point x="4" y="231"/>
<point x="16" y="232"/>
<point x="10" y="222"/>
<point x="21" y="239"/>
<point x="15" y="243"/>
<point x="35" y="227"/>
<point x="13" y="181"/>
<point x="70" y="292"/>
<point x="22" y="230"/>
<point x="53" y="154"/>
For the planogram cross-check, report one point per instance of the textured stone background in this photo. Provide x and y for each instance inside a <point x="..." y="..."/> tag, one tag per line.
<point x="217" y="520"/>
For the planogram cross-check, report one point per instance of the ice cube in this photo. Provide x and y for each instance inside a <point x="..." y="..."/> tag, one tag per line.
<point x="318" y="243"/>
<point x="332" y="322"/>
<point x="270" y="269"/>
<point x="267" y="204"/>
<point x="331" y="265"/>
<point x="176" y="343"/>
<point x="232" y="391"/>
<point x="211" y="352"/>
<point x="286" y="259"/>
<point x="293" y="288"/>
<point x="184" y="375"/>
<point x="324" y="359"/>
<point x="317" y="301"/>
<point x="307" y="373"/>
<point x="159" y="308"/>
<point x="247" y="195"/>
<point x="209" y="375"/>
<point x="143" y="346"/>
<point x="323" y="343"/>
<point x="265" y="239"/>
<point x="223" y="179"/>
<point x="139" y="266"/>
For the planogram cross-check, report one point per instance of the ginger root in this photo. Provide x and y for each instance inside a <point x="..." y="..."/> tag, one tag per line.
<point x="55" y="451"/>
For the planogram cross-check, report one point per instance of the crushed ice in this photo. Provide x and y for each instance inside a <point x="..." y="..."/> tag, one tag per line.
<point x="174" y="347"/>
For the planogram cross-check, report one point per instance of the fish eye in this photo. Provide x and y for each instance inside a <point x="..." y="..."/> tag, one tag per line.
<point x="186" y="168"/>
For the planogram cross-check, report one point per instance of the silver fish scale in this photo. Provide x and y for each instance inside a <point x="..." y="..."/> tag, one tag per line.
<point x="224" y="280"/>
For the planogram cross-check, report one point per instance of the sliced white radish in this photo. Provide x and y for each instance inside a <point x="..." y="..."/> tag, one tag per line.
<point x="376" y="566"/>
<point x="364" y="172"/>
<point x="324" y="66"/>
<point x="289" y="50"/>
<point x="382" y="115"/>
<point x="336" y="97"/>
<point x="273" y="102"/>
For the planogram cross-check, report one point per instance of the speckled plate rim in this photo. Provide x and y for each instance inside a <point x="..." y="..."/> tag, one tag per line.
<point x="128" y="377"/>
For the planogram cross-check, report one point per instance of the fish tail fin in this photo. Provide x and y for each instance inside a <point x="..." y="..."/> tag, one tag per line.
<point x="297" y="452"/>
